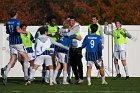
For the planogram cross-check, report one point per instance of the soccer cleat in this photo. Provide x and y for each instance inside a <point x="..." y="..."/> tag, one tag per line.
<point x="51" y="84"/>
<point x="47" y="80"/>
<point x="4" y="79"/>
<point x="127" y="77"/>
<point x="2" y="72"/>
<point x="80" y="81"/>
<point x="89" y="83"/>
<point x="104" y="82"/>
<point x="28" y="83"/>
<point x="118" y="76"/>
<point x="70" y="81"/>
<point x="65" y="83"/>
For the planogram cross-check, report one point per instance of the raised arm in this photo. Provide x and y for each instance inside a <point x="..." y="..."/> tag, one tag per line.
<point x="58" y="44"/>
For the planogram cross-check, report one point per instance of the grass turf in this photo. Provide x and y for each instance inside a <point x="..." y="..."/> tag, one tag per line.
<point x="16" y="85"/>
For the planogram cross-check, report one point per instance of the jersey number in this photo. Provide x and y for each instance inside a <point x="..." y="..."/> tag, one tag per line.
<point x="91" y="43"/>
<point x="11" y="28"/>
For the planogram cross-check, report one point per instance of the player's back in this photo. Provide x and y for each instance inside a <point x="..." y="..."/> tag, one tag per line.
<point x="92" y="42"/>
<point x="14" y="36"/>
<point x="11" y="25"/>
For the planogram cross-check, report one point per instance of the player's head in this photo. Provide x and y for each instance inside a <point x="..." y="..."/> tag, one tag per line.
<point x="13" y="12"/>
<point x="72" y="20"/>
<point x="94" y="28"/>
<point x="23" y="27"/>
<point x="118" y="23"/>
<point x="43" y="30"/>
<point x="52" y="20"/>
<point x="66" y="24"/>
<point x="94" y="19"/>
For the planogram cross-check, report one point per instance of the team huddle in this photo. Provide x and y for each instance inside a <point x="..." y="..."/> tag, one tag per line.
<point x="57" y="49"/>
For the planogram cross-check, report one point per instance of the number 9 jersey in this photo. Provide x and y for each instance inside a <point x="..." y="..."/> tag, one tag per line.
<point x="93" y="45"/>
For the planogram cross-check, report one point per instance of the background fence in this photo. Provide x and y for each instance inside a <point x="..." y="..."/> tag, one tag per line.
<point x="133" y="53"/>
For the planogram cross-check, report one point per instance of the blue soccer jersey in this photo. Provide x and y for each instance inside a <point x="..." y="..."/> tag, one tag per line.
<point x="66" y="41"/>
<point x="93" y="45"/>
<point x="14" y="36"/>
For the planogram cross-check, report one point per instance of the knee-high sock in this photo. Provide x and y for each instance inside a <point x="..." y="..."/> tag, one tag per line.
<point x="55" y="75"/>
<point x="126" y="70"/>
<point x="51" y="75"/>
<point x="32" y="74"/>
<point x="64" y="76"/>
<point x="117" y="68"/>
<point x="7" y="69"/>
<point x="26" y="66"/>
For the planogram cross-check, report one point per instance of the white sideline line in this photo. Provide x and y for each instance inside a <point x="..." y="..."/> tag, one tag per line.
<point x="92" y="91"/>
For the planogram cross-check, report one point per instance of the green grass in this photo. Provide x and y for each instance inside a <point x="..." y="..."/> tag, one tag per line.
<point x="16" y="85"/>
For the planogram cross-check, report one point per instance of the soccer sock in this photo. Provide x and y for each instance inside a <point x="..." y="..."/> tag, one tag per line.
<point x="117" y="68"/>
<point x="89" y="79"/>
<point x="51" y="75"/>
<point x="64" y="76"/>
<point x="32" y="74"/>
<point x="55" y="75"/>
<point x="47" y="74"/>
<point x="26" y="68"/>
<point x="7" y="69"/>
<point x="30" y="69"/>
<point x="126" y="70"/>
<point x="103" y="78"/>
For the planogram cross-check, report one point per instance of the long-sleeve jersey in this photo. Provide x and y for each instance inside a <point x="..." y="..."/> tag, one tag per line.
<point x="66" y="41"/>
<point x="93" y="45"/>
<point x="43" y="45"/>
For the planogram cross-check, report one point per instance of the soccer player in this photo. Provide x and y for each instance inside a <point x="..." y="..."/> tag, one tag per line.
<point x="119" y="35"/>
<point x="15" y="43"/>
<point x="75" y="53"/>
<point x="62" y="53"/>
<point x="43" y="51"/>
<point x="93" y="45"/>
<point x="27" y="40"/>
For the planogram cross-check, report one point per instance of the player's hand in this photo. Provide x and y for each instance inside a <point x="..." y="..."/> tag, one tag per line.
<point x="106" y="23"/>
<point x="102" y="46"/>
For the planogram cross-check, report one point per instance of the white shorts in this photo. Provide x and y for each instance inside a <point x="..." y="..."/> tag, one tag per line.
<point x="31" y="56"/>
<point x="17" y="48"/>
<point x="62" y="58"/>
<point x="120" y="55"/>
<point x="98" y="63"/>
<point x="43" y="58"/>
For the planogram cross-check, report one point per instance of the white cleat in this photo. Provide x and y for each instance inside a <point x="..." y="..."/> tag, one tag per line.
<point x="65" y="83"/>
<point x="89" y="84"/>
<point x="28" y="83"/>
<point x="51" y="83"/>
<point x="104" y="83"/>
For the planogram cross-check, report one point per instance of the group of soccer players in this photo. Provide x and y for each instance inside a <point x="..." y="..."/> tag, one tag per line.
<point x="57" y="49"/>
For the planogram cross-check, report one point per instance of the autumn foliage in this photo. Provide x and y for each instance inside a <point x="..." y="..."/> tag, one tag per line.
<point x="34" y="12"/>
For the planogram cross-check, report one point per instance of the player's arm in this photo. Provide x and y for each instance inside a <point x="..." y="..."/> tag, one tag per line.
<point x="106" y="31"/>
<point x="38" y="47"/>
<point x="74" y="30"/>
<point x="58" y="44"/>
<point x="84" y="43"/>
<point x="125" y="33"/>
<point x="32" y="38"/>
<point x="78" y="37"/>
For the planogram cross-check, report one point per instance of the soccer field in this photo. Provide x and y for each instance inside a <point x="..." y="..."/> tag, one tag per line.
<point x="16" y="85"/>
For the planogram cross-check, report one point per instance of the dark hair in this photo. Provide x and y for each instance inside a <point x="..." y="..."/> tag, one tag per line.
<point x="118" y="20"/>
<point x="42" y="30"/>
<point x="72" y="17"/>
<point x="22" y="25"/>
<point x="13" y="11"/>
<point x="49" y="19"/>
<point x="95" y="16"/>
<point x="93" y="28"/>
